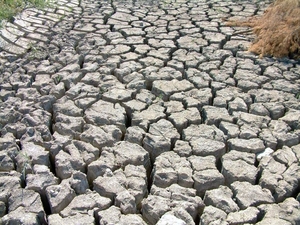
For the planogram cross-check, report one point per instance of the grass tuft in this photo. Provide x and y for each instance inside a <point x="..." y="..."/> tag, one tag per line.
<point x="9" y="8"/>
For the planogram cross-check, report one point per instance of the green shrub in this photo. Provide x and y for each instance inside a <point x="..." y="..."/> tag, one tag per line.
<point x="9" y="8"/>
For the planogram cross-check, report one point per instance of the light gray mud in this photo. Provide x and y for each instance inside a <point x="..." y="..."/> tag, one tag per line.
<point x="141" y="112"/>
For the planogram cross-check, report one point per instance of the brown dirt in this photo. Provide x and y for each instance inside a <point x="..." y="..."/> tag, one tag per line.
<point x="277" y="30"/>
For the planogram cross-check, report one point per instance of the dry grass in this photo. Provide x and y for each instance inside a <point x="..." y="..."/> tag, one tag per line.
<point x="277" y="30"/>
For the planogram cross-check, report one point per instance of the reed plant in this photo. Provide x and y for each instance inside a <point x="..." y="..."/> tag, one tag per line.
<point x="277" y="30"/>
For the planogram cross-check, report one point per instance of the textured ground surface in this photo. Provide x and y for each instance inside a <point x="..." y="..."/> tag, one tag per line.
<point x="145" y="113"/>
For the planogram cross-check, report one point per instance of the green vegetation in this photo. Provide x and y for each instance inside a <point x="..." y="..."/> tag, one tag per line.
<point x="57" y="79"/>
<point x="9" y="8"/>
<point x="25" y="166"/>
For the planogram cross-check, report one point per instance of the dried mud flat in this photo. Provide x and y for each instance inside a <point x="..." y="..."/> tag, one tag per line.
<point x="141" y="112"/>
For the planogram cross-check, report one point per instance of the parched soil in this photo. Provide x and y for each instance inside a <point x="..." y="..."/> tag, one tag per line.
<point x="143" y="112"/>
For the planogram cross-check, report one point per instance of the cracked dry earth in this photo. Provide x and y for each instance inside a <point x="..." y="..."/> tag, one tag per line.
<point x="141" y="112"/>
